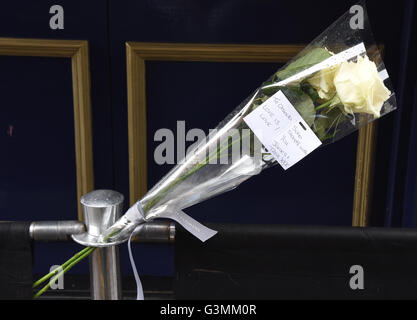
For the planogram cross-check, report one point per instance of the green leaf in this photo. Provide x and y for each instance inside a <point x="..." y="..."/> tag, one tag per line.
<point x="302" y="103"/>
<point x="308" y="88"/>
<point x="328" y="121"/>
<point x="308" y="60"/>
<point x="336" y="116"/>
<point x="270" y="91"/>
<point x="320" y="127"/>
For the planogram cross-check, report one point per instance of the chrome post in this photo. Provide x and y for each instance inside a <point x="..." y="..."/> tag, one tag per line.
<point x="101" y="208"/>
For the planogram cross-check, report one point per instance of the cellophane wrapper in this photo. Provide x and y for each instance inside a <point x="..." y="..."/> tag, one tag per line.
<point x="201" y="175"/>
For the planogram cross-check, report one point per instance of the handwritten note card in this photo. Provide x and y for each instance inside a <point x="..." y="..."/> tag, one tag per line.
<point x="282" y="130"/>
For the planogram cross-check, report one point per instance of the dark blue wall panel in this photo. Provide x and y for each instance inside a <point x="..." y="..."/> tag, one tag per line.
<point x="37" y="101"/>
<point x="37" y="167"/>
<point x="37" y="98"/>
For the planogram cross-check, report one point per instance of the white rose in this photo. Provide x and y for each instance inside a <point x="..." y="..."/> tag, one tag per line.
<point x="360" y="87"/>
<point x="323" y="82"/>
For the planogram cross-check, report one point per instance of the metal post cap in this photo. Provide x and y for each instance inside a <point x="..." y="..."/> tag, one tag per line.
<point x="102" y="198"/>
<point x="101" y="208"/>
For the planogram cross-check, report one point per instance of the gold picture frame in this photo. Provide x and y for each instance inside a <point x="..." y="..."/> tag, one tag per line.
<point x="77" y="51"/>
<point x="138" y="53"/>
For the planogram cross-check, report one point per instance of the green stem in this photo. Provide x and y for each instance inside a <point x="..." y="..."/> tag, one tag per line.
<point x="210" y="157"/>
<point x="64" y="270"/>
<point x="324" y="105"/>
<point x="63" y="266"/>
<point x="87" y="251"/>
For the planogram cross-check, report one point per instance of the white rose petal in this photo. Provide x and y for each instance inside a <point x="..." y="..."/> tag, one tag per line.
<point x="322" y="81"/>
<point x="360" y="87"/>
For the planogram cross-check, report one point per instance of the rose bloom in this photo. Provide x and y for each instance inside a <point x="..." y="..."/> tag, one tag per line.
<point x="360" y="87"/>
<point x="323" y="82"/>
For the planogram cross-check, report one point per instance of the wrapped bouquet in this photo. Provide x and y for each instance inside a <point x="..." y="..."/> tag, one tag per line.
<point x="336" y="85"/>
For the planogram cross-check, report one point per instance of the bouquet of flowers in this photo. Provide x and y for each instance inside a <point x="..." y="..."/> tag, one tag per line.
<point x="336" y="85"/>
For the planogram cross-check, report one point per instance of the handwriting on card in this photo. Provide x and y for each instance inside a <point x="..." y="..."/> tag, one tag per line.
<point x="282" y="130"/>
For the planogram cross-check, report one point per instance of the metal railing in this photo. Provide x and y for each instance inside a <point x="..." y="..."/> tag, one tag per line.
<point x="98" y="206"/>
<point x="61" y="231"/>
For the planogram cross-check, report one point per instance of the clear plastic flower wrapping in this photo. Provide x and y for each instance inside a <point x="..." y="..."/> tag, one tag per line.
<point x="334" y="98"/>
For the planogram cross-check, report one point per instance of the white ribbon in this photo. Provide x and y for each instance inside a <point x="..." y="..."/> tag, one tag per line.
<point x="191" y="225"/>
<point x="139" y="288"/>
